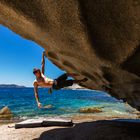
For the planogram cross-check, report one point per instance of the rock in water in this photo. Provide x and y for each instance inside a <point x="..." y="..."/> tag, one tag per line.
<point x="90" y="110"/>
<point x="5" y="113"/>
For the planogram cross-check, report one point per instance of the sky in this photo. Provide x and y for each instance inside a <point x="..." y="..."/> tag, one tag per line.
<point x="18" y="57"/>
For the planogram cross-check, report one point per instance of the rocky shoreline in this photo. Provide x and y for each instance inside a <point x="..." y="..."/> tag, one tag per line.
<point x="87" y="126"/>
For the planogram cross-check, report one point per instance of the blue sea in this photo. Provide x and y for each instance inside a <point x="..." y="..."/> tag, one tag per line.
<point x="65" y="102"/>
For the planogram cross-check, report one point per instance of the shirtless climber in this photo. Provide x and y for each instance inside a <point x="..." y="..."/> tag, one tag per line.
<point x="56" y="84"/>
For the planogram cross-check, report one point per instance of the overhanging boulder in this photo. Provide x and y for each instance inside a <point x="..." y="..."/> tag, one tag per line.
<point x="96" y="39"/>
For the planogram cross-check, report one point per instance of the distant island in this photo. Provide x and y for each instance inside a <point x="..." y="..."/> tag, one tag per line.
<point x="11" y="86"/>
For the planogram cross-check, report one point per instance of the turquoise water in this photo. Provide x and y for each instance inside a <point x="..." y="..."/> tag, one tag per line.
<point x="65" y="102"/>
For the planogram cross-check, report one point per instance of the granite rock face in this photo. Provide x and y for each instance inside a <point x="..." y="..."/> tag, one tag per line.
<point x="96" y="39"/>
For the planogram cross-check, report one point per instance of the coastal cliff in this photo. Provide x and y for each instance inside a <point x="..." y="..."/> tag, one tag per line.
<point x="99" y="40"/>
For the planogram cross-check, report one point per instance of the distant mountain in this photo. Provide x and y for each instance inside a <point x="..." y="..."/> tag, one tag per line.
<point x="10" y="86"/>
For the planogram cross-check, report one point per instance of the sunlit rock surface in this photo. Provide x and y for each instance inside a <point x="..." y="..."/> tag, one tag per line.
<point x="5" y="113"/>
<point x="97" y="39"/>
<point x="90" y="110"/>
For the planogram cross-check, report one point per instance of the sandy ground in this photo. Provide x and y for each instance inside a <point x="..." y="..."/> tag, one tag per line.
<point x="21" y="134"/>
<point x="85" y="128"/>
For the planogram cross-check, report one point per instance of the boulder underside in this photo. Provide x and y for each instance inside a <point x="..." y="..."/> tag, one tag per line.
<point x="99" y="40"/>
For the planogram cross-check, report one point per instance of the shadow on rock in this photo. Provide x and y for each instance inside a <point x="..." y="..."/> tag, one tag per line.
<point x="97" y="130"/>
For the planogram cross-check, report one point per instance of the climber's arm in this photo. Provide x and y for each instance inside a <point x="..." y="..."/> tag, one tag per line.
<point x="43" y="62"/>
<point x="36" y="94"/>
